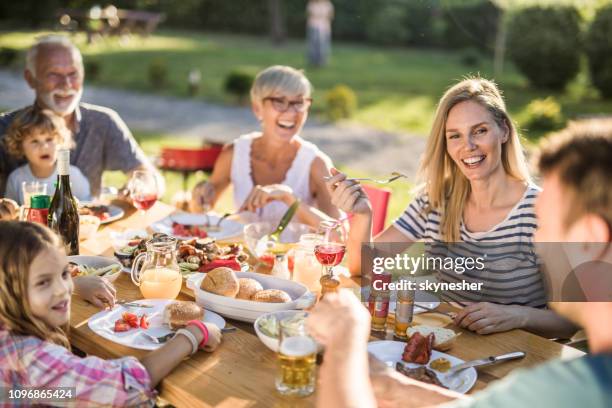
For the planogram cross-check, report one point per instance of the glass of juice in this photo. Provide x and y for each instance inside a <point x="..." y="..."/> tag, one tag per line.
<point x="156" y="271"/>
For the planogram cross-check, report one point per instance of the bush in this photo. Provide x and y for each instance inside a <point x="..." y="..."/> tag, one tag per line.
<point x="543" y="114"/>
<point x="545" y="44"/>
<point x="341" y="102"/>
<point x="599" y="51"/>
<point x="158" y="73"/>
<point x="238" y="83"/>
<point x="8" y="56"/>
<point x="388" y="24"/>
<point x="470" y="57"/>
<point x="92" y="69"/>
<point x="470" y="24"/>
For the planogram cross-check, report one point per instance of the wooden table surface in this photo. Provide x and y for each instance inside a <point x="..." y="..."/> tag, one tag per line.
<point x="241" y="372"/>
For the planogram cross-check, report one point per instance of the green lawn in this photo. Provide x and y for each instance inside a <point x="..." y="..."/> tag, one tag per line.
<point x="397" y="88"/>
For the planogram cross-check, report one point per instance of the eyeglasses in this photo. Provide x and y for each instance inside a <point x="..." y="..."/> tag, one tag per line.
<point x="283" y="104"/>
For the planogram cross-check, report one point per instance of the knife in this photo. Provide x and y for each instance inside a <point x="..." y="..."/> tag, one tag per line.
<point x="487" y="361"/>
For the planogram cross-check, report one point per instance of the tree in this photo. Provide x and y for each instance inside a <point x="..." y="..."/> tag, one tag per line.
<point x="277" y="22"/>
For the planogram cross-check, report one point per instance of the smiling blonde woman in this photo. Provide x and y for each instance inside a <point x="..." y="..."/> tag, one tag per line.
<point x="476" y="190"/>
<point x="272" y="168"/>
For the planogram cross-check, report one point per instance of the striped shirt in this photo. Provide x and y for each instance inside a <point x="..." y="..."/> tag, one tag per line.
<point x="27" y="361"/>
<point x="511" y="273"/>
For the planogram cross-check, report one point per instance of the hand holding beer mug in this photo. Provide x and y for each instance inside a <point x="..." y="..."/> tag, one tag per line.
<point x="297" y="357"/>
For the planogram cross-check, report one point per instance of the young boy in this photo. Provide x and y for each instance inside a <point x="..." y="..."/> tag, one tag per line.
<point x="36" y="135"/>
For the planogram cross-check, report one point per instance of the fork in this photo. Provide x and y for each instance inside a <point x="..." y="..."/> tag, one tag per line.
<point x="166" y="337"/>
<point x="130" y="303"/>
<point x="394" y="176"/>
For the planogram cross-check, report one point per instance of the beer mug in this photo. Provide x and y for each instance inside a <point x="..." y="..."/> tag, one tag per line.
<point x="297" y="355"/>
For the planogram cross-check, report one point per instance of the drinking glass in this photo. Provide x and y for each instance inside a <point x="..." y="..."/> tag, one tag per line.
<point x="330" y="253"/>
<point x="297" y="354"/>
<point x="143" y="190"/>
<point x="32" y="188"/>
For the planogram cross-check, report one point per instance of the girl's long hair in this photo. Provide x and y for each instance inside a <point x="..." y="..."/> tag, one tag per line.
<point x="20" y="243"/>
<point x="447" y="188"/>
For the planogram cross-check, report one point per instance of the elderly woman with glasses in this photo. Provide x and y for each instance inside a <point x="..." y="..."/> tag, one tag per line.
<point x="273" y="168"/>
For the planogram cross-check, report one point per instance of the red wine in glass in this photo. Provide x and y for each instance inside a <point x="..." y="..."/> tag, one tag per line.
<point x="329" y="254"/>
<point x="144" y="202"/>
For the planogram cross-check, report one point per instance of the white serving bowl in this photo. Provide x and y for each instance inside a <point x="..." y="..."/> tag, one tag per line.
<point x="97" y="262"/>
<point x="272" y="342"/>
<point x="88" y="226"/>
<point x="249" y="310"/>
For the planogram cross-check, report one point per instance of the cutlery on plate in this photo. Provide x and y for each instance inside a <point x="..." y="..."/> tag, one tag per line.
<point x="267" y="242"/>
<point x="487" y="361"/>
<point x="129" y="303"/>
<point x="223" y="217"/>
<point x="166" y="337"/>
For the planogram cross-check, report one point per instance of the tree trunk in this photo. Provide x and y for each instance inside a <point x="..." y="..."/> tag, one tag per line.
<point x="277" y="22"/>
<point x="500" y="45"/>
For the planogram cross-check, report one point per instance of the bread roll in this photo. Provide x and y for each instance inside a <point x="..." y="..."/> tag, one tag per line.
<point x="444" y="338"/>
<point x="271" y="296"/>
<point x="221" y="281"/>
<point x="178" y="313"/>
<point x="248" y="287"/>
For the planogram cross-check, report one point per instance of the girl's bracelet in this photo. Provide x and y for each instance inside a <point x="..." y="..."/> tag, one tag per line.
<point x="191" y="337"/>
<point x="202" y="328"/>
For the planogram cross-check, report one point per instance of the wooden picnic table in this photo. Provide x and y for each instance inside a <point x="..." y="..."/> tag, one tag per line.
<point x="241" y="371"/>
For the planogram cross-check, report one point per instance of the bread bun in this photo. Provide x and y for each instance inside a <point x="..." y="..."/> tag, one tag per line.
<point x="178" y="313"/>
<point x="444" y="338"/>
<point x="248" y="287"/>
<point x="221" y="281"/>
<point x="271" y="296"/>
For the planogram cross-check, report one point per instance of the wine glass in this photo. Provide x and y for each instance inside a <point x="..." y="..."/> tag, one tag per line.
<point x="330" y="253"/>
<point x="143" y="190"/>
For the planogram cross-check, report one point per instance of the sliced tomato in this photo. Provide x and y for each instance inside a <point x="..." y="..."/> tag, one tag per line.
<point x="228" y="263"/>
<point x="127" y="316"/>
<point x="144" y="323"/>
<point x="121" y="326"/>
<point x="267" y="259"/>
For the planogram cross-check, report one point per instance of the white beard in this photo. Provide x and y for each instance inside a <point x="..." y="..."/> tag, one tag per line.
<point x="64" y="108"/>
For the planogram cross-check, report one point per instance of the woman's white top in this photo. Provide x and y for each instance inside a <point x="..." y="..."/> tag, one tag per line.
<point x="297" y="177"/>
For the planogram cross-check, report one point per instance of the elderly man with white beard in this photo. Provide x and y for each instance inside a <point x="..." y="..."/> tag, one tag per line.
<point x="102" y="141"/>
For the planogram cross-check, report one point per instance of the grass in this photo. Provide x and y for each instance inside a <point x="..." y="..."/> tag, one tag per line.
<point x="397" y="88"/>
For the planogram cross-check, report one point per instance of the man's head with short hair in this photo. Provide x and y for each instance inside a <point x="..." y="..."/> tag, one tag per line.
<point x="54" y="69"/>
<point x="575" y="209"/>
<point x="578" y="162"/>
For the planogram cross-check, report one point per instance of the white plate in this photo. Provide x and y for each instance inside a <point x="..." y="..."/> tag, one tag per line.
<point x="102" y="323"/>
<point x="390" y="352"/>
<point x="229" y="228"/>
<point x="114" y="212"/>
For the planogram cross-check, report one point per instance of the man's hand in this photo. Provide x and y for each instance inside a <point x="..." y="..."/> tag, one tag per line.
<point x="9" y="209"/>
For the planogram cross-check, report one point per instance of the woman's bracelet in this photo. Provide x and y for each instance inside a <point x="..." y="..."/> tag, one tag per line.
<point x="191" y="337"/>
<point x="202" y="328"/>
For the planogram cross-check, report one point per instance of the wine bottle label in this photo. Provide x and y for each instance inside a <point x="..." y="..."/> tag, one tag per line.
<point x="63" y="162"/>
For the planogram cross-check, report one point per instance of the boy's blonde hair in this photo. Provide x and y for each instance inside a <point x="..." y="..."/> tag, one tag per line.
<point x="581" y="155"/>
<point x="34" y="120"/>
<point x="20" y="243"/>
<point x="282" y="79"/>
<point x="446" y="186"/>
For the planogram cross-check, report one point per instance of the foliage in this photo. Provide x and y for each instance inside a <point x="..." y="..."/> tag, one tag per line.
<point x="158" y="73"/>
<point x="238" y="83"/>
<point x="341" y="102"/>
<point x="470" y="24"/>
<point x="470" y="57"/>
<point x="92" y="69"/>
<point x="388" y="24"/>
<point x="599" y="51"/>
<point x="543" y="114"/>
<point x="8" y="56"/>
<point x="545" y="43"/>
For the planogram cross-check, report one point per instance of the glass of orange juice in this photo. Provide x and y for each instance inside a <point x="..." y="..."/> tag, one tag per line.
<point x="156" y="271"/>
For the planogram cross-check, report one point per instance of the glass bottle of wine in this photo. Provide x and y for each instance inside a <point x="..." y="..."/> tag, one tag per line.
<point x="63" y="211"/>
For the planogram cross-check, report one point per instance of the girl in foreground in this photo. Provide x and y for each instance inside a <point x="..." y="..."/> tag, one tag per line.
<point x="36" y="288"/>
<point x="477" y="191"/>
